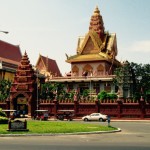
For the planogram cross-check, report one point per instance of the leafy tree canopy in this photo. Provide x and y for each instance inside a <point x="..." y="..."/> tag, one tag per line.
<point x="4" y="89"/>
<point x="136" y="74"/>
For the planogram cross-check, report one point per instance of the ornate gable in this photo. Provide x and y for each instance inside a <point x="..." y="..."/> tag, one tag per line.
<point x="41" y="65"/>
<point x="92" y="44"/>
<point x="47" y="67"/>
<point x="89" y="47"/>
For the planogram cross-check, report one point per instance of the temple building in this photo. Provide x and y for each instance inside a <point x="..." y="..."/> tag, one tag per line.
<point x="92" y="70"/>
<point x="96" y="51"/>
<point x="10" y="56"/>
<point x="48" y="67"/>
<point x="93" y="65"/>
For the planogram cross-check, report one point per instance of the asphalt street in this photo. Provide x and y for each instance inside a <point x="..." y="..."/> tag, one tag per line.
<point x="134" y="136"/>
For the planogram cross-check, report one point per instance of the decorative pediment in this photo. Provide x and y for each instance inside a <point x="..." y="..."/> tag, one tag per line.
<point x="48" y="66"/>
<point x="41" y="65"/>
<point x="92" y="44"/>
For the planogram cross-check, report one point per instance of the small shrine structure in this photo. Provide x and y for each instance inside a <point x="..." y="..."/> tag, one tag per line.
<point x="23" y="93"/>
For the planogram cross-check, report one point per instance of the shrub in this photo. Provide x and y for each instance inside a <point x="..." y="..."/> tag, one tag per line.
<point x="85" y="93"/>
<point x="3" y="120"/>
<point x="112" y="96"/>
<point x="3" y="114"/>
<point x="102" y="95"/>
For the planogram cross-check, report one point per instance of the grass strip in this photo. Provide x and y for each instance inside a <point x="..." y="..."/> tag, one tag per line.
<point x="41" y="127"/>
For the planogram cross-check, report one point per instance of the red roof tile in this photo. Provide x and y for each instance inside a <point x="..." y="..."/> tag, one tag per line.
<point x="52" y="65"/>
<point x="10" y="52"/>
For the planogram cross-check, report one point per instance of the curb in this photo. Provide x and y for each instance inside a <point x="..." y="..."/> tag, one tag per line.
<point x="113" y="120"/>
<point x="60" y="134"/>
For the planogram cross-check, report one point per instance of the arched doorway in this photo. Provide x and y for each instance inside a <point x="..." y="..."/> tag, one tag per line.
<point x="21" y="105"/>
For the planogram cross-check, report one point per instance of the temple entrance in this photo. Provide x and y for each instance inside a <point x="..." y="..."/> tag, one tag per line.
<point x="21" y="105"/>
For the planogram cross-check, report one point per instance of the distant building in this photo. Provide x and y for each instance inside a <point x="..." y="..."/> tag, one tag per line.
<point x="10" y="57"/>
<point x="48" y="67"/>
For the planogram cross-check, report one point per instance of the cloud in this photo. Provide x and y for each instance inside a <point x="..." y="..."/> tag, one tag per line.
<point x="140" y="46"/>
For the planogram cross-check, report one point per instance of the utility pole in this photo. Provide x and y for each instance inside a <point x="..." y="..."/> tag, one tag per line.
<point x="37" y="92"/>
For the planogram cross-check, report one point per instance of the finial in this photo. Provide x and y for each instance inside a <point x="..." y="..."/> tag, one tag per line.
<point x="96" y="11"/>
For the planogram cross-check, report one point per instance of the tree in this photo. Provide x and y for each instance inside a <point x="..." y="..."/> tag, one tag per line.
<point x="134" y="76"/>
<point x="4" y="89"/>
<point x="49" y="90"/>
<point x="141" y="79"/>
<point x="46" y="91"/>
<point x="123" y="79"/>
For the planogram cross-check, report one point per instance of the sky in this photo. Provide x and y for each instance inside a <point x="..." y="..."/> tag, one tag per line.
<point x="52" y="27"/>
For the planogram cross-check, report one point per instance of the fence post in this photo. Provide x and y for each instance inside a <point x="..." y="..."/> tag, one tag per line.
<point x="142" y="104"/>
<point x="119" y="101"/>
<point x="75" y="107"/>
<point x="55" y="107"/>
<point x="97" y="105"/>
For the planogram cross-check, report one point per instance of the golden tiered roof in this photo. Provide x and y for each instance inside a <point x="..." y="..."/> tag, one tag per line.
<point x="96" y="45"/>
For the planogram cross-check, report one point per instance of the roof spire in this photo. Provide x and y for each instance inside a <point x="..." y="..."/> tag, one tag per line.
<point x="96" y="23"/>
<point x="25" y="53"/>
<point x="96" y="11"/>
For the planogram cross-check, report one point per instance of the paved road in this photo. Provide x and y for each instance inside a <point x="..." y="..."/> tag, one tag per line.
<point x="134" y="136"/>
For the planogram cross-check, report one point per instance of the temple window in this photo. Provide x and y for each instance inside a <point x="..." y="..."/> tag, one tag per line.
<point x="88" y="70"/>
<point x="100" y="70"/>
<point x="75" y="71"/>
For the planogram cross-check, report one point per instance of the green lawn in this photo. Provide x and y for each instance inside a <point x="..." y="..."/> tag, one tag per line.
<point x="41" y="127"/>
